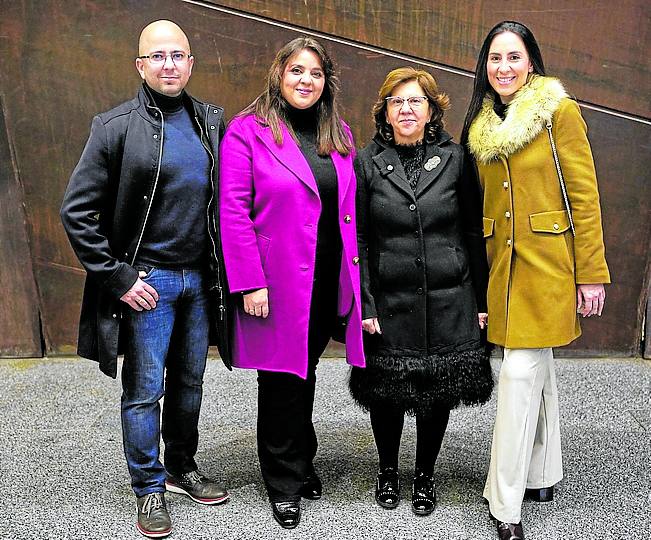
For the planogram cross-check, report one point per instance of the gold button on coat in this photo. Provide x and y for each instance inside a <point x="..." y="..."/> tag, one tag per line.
<point x="507" y="214"/>
<point x="355" y="260"/>
<point x="556" y="226"/>
<point x="347" y="218"/>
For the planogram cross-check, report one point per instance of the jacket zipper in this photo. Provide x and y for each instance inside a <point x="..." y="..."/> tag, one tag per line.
<point x="153" y="191"/>
<point x="203" y="131"/>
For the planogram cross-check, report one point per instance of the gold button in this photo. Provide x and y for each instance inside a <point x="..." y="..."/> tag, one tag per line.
<point x="347" y="218"/>
<point x="508" y="242"/>
<point x="355" y="260"/>
<point x="506" y="185"/>
<point x="507" y="214"/>
<point x="556" y="226"/>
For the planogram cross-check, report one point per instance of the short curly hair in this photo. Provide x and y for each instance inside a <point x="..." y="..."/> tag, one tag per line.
<point x="439" y="102"/>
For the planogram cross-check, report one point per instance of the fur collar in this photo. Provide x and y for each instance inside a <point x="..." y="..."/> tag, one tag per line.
<point x="528" y="113"/>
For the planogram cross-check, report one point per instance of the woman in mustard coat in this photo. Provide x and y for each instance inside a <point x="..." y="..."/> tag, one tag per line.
<point x="545" y="251"/>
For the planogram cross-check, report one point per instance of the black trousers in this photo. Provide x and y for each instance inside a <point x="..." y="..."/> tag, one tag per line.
<point x="387" y="422"/>
<point x="287" y="442"/>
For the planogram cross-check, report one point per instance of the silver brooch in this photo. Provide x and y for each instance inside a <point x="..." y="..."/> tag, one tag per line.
<point x="432" y="163"/>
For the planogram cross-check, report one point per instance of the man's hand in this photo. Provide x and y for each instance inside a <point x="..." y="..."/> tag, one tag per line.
<point x="256" y="303"/>
<point x="371" y="325"/>
<point x="141" y="295"/>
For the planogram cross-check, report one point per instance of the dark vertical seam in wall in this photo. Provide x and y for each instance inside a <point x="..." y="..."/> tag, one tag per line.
<point x="21" y="192"/>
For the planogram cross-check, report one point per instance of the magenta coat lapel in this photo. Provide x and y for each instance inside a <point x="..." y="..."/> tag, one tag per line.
<point x="289" y="155"/>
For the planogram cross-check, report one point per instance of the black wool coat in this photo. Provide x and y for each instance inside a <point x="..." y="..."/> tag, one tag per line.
<point x="105" y="210"/>
<point x="422" y="255"/>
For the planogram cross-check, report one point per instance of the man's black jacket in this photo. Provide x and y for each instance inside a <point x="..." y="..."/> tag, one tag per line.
<point x="105" y="210"/>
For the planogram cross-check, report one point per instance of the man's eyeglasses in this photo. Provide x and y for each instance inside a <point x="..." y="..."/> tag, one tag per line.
<point x="158" y="58"/>
<point x="415" y="102"/>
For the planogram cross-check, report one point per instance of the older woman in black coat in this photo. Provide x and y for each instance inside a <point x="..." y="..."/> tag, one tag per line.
<point x="423" y="271"/>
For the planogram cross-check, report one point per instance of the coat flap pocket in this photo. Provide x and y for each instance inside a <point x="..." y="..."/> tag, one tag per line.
<point x="554" y="222"/>
<point x="488" y="226"/>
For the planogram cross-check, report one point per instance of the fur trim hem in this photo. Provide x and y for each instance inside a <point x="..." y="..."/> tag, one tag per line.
<point x="420" y="383"/>
<point x="527" y="115"/>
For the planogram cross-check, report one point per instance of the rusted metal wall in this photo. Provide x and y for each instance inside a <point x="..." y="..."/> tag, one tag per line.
<point x="62" y="62"/>
<point x="599" y="48"/>
<point x="19" y="320"/>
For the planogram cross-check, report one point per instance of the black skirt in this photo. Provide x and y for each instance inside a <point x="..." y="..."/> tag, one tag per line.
<point x="418" y="383"/>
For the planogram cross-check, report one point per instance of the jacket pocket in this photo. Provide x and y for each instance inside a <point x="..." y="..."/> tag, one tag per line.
<point x="489" y="224"/>
<point x="555" y="222"/>
<point x="263" y="248"/>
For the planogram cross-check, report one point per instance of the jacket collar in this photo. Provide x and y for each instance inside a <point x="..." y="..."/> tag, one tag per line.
<point x="531" y="108"/>
<point x="390" y="167"/>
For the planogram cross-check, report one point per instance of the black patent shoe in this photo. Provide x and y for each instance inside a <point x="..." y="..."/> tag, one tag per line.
<point x="287" y="513"/>
<point x="540" y="495"/>
<point x="423" y="495"/>
<point x="312" y="488"/>
<point x="387" y="488"/>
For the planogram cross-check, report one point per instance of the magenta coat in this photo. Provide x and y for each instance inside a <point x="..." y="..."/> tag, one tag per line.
<point x="269" y="211"/>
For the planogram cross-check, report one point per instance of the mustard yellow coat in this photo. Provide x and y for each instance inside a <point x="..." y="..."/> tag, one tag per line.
<point x="535" y="262"/>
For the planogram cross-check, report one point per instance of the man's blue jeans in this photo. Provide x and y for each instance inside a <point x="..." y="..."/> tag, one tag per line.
<point x="172" y="337"/>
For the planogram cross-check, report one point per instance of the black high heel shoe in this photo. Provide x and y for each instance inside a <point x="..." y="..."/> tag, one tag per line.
<point x="423" y="495"/>
<point x="387" y="488"/>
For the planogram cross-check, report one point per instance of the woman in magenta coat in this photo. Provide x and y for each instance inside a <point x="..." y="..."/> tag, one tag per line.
<point x="287" y="216"/>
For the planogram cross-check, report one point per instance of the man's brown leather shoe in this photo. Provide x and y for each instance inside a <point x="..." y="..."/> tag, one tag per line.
<point x="153" y="519"/>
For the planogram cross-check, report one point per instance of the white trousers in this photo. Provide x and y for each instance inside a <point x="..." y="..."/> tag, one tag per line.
<point x="526" y="450"/>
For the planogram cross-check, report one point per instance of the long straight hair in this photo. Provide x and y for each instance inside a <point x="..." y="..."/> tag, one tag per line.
<point x="482" y="86"/>
<point x="271" y="108"/>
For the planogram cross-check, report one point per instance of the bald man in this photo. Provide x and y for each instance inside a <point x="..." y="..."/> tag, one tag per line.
<point x="140" y="211"/>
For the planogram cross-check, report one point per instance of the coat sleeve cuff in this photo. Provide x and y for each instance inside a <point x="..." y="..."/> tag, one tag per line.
<point x="121" y="280"/>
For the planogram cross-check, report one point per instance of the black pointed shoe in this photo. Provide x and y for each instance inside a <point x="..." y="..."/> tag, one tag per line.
<point x="540" y="495"/>
<point x="312" y="488"/>
<point x="387" y="488"/>
<point x="423" y="495"/>
<point x="287" y="513"/>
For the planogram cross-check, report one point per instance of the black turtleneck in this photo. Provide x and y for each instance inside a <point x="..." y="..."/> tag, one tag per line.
<point x="304" y="123"/>
<point x="167" y="104"/>
<point x="412" y="157"/>
<point x="176" y="234"/>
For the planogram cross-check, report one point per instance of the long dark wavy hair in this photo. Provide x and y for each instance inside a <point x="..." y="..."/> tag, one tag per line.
<point x="271" y="108"/>
<point x="438" y="101"/>
<point x="482" y="86"/>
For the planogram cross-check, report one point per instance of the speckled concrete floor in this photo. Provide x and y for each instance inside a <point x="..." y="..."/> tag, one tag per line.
<point x="63" y="476"/>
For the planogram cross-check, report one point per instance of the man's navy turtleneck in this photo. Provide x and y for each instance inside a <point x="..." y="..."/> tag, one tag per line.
<point x="177" y="227"/>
